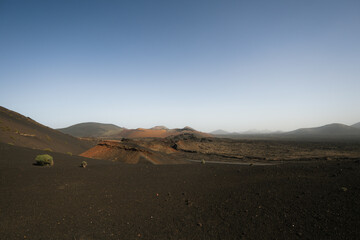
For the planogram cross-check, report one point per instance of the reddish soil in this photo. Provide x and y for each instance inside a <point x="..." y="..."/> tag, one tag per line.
<point x="111" y="200"/>
<point x="188" y="148"/>
<point x="129" y="152"/>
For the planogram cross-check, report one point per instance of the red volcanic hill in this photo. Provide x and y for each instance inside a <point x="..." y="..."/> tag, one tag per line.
<point x="110" y="131"/>
<point x="159" y="133"/>
<point x="153" y="151"/>
<point x="18" y="130"/>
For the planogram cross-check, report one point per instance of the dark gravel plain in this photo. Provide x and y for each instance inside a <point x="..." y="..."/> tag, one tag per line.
<point x="111" y="200"/>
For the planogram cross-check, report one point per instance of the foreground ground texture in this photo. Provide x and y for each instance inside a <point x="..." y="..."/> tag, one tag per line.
<point x="106" y="200"/>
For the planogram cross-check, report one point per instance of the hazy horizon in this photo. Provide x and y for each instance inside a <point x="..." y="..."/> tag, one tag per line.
<point x="231" y="65"/>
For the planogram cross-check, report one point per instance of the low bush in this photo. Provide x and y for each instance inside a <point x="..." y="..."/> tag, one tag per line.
<point x="44" y="160"/>
<point x="83" y="164"/>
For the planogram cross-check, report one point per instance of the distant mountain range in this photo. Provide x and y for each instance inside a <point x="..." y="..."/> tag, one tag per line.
<point x="248" y="132"/>
<point x="330" y="131"/>
<point x="101" y="130"/>
<point x="335" y="130"/>
<point x="220" y="132"/>
<point x="22" y="131"/>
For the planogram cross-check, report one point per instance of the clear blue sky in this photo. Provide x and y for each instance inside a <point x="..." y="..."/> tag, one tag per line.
<point x="233" y="65"/>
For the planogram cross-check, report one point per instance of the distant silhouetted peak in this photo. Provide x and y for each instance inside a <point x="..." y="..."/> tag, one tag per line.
<point x="159" y="128"/>
<point x="219" y="132"/>
<point x="92" y="129"/>
<point x="331" y="130"/>
<point x="356" y="125"/>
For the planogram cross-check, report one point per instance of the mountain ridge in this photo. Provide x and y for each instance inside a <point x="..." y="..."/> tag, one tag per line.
<point x="22" y="131"/>
<point x="92" y="129"/>
<point x="111" y="131"/>
<point x="328" y="131"/>
<point x="333" y="129"/>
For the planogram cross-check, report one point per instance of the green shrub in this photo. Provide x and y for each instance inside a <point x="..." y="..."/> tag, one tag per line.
<point x="47" y="149"/>
<point x="83" y="164"/>
<point x="44" y="160"/>
<point x="69" y="153"/>
<point x="203" y="161"/>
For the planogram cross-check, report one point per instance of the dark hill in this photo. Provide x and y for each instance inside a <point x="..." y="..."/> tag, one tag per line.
<point x="356" y="125"/>
<point x="335" y="130"/>
<point x="92" y="129"/>
<point x="158" y="133"/>
<point x="19" y="130"/>
<point x="111" y="131"/>
<point x="159" y="128"/>
<point x="219" y="132"/>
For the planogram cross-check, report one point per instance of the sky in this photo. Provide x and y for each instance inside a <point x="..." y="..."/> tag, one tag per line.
<point x="225" y="64"/>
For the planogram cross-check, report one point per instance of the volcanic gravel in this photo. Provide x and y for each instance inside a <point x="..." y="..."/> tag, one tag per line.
<point x="106" y="200"/>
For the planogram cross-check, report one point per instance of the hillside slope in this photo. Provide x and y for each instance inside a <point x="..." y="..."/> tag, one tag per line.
<point x="356" y="125"/>
<point x="335" y="130"/>
<point x="111" y="131"/>
<point x="159" y="133"/>
<point x="220" y="132"/>
<point x="19" y="130"/>
<point x="92" y="129"/>
<point x="133" y="152"/>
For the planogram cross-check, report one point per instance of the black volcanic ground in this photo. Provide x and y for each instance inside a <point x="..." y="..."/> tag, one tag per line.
<point x="112" y="200"/>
